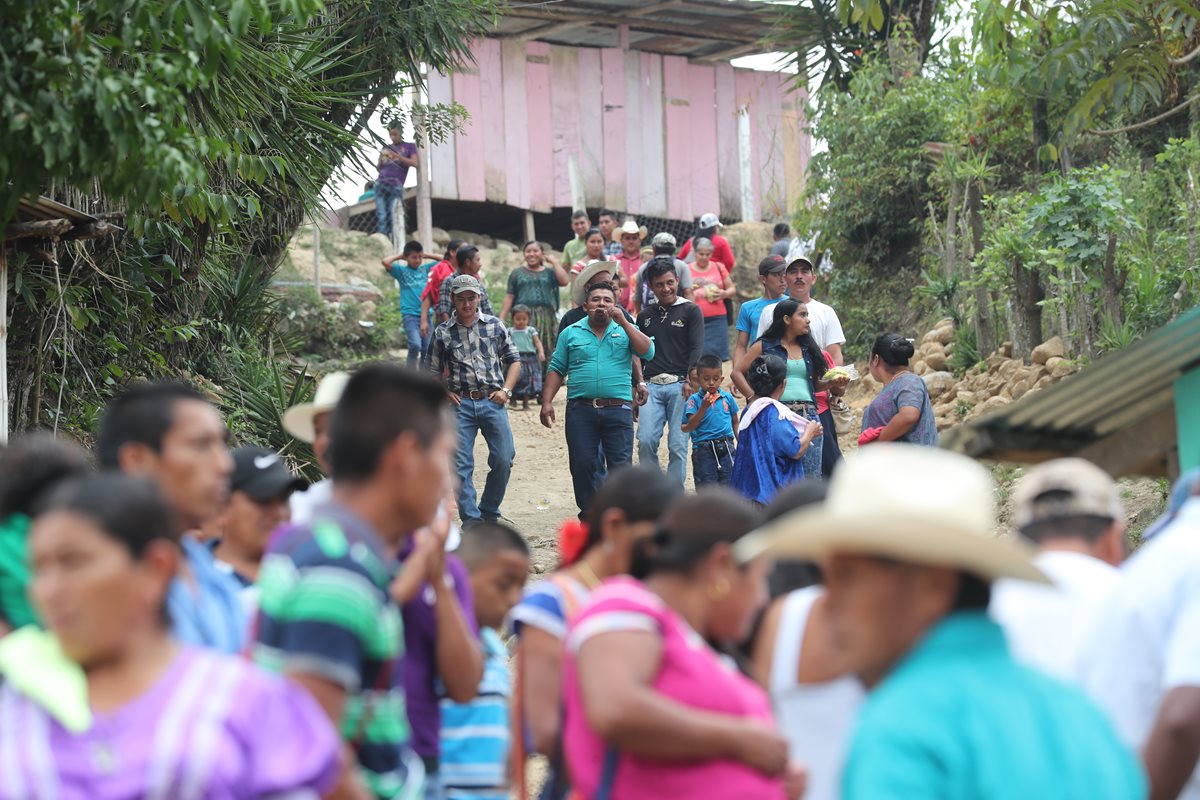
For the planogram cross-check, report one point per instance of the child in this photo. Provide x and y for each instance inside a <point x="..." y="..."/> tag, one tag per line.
<point x="475" y="735"/>
<point x="708" y="417"/>
<point x="412" y="277"/>
<point x="771" y="437"/>
<point x="532" y="357"/>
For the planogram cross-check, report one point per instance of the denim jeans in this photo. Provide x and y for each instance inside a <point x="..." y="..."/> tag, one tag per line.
<point x="385" y="196"/>
<point x="665" y="407"/>
<point x="412" y="333"/>
<point x="483" y="416"/>
<point x="712" y="461"/>
<point x="813" y="456"/>
<point x="591" y="431"/>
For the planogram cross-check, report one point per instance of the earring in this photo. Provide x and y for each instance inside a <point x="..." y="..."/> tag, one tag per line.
<point x="719" y="589"/>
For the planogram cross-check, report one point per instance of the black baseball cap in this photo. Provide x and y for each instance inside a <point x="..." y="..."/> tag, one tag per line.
<point x="261" y="474"/>
<point x="771" y="264"/>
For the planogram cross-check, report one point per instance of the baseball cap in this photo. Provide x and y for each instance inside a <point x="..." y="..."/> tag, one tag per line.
<point x="662" y="239"/>
<point x="803" y="261"/>
<point x="771" y="264"/>
<point x="261" y="473"/>
<point x="1063" y="488"/>
<point x="710" y="220"/>
<point x="465" y="283"/>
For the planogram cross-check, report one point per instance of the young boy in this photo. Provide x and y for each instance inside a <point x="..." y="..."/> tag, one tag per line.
<point x="475" y="735"/>
<point x="708" y="417"/>
<point x="411" y="268"/>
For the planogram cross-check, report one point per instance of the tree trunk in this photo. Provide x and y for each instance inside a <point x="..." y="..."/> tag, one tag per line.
<point x="1027" y="311"/>
<point x="1113" y="284"/>
<point x="950" y="252"/>
<point x="985" y="332"/>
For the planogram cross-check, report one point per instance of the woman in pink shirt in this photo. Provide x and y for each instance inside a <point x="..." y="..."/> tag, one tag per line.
<point x="651" y="710"/>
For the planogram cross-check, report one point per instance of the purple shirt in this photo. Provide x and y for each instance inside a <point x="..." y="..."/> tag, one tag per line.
<point x="213" y="727"/>
<point x="420" y="656"/>
<point x="392" y="172"/>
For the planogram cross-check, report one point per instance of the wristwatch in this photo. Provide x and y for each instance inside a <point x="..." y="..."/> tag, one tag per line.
<point x="507" y="392"/>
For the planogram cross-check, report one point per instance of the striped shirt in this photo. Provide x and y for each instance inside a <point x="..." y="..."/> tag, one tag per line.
<point x="445" y="303"/>
<point x="325" y="611"/>
<point x="476" y="735"/>
<point x="475" y="356"/>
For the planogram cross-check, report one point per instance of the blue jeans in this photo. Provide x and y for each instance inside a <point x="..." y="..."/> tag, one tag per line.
<point x="665" y="407"/>
<point x="475" y="417"/>
<point x="814" y="455"/>
<point x="712" y="461"/>
<point x="412" y="333"/>
<point x="385" y="196"/>
<point x="591" y="431"/>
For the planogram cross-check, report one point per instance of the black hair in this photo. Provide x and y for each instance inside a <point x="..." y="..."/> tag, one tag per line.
<point x="142" y="415"/>
<point x="520" y="308"/>
<point x="781" y="230"/>
<point x="788" y="307"/>
<point x="607" y="212"/>
<point x="33" y="465"/>
<point x="641" y="493"/>
<point x="708" y="361"/>
<point x="452" y="248"/>
<point x="663" y="249"/>
<point x="893" y="348"/>
<point x="483" y="540"/>
<point x="592" y="232"/>
<point x="591" y="287"/>
<point x="787" y="576"/>
<point x="658" y="267"/>
<point x="766" y="374"/>
<point x="413" y="246"/>
<point x="131" y="510"/>
<point x="580" y="214"/>
<point x="704" y="233"/>
<point x="1088" y="527"/>
<point x="465" y="254"/>
<point x="525" y="246"/>
<point x="690" y="528"/>
<point x="973" y="594"/>
<point x="381" y="402"/>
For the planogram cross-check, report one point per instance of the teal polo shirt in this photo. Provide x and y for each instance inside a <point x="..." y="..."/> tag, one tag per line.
<point x="598" y="366"/>
<point x="959" y="719"/>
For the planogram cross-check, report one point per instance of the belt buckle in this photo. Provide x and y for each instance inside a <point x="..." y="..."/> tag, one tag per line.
<point x="596" y="403"/>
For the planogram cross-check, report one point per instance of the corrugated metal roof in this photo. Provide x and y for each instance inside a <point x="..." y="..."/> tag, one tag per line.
<point x="1112" y="395"/>
<point x="702" y="30"/>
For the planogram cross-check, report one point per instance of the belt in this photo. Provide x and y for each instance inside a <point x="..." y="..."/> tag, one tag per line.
<point x="664" y="378"/>
<point x="600" y="402"/>
<point x="797" y="405"/>
<point x="475" y="394"/>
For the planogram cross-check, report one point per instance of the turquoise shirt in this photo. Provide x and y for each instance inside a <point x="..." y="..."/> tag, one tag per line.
<point x="796" y="388"/>
<point x="958" y="719"/>
<point x="599" y="367"/>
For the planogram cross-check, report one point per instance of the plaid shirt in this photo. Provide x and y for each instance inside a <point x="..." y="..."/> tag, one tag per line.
<point x="445" y="305"/>
<point x="475" y="356"/>
<point x="612" y="248"/>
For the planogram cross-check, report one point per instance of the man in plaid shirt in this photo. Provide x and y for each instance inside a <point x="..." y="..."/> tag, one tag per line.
<point x="481" y="366"/>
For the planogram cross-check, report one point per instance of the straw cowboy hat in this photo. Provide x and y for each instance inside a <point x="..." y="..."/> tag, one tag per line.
<point x="298" y="420"/>
<point x="593" y="269"/>
<point x="918" y="505"/>
<point x="630" y="226"/>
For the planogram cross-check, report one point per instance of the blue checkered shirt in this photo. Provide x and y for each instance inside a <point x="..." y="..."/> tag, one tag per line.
<point x="475" y="357"/>
<point x="612" y="248"/>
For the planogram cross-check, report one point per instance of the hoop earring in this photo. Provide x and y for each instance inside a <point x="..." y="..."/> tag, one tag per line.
<point x="719" y="589"/>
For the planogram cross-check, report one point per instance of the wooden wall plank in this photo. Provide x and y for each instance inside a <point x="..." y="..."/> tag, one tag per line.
<point x="468" y="143"/>
<point x="564" y="119"/>
<point x="653" y="201"/>
<point x="539" y="127"/>
<point x="591" y="125"/>
<point x="791" y="126"/>
<point x="775" y="202"/>
<point x="443" y="166"/>
<point x="729" y="178"/>
<point x="679" y="158"/>
<point x="746" y="85"/>
<point x="516" y="120"/>
<point x="491" y="84"/>
<point x="613" y="92"/>
<point x="701" y="80"/>
<point x="635" y="177"/>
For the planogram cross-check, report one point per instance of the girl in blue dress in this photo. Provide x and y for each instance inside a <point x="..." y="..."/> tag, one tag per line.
<point x="772" y="439"/>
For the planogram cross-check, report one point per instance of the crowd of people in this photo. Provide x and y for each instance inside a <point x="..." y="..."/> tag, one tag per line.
<point x="179" y="618"/>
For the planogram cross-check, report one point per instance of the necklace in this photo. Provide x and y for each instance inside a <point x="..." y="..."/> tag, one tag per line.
<point x="589" y="577"/>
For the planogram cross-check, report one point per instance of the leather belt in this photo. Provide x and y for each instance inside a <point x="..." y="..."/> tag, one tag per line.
<point x="664" y="378"/>
<point x="601" y="402"/>
<point x="475" y="394"/>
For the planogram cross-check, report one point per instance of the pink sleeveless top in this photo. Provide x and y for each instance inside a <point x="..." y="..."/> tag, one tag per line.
<point x="691" y="673"/>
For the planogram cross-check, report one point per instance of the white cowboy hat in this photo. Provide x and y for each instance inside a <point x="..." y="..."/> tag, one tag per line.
<point x="918" y="505"/>
<point x="298" y="420"/>
<point x="630" y="226"/>
<point x="593" y="269"/>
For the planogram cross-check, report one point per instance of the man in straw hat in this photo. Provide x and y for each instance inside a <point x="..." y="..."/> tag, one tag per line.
<point x="630" y="235"/>
<point x="309" y="422"/>
<point x="910" y="556"/>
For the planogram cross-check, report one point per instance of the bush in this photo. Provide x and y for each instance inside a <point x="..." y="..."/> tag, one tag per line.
<point x="347" y="329"/>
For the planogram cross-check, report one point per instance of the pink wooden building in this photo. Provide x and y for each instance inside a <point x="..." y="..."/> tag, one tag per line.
<point x="629" y="106"/>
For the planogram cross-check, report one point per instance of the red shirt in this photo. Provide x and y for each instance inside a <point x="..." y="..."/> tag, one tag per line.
<point x="722" y="252"/>
<point x="629" y="269"/>
<point x="439" y="273"/>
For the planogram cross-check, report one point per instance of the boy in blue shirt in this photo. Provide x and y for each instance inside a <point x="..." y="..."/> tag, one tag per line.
<point x="708" y="417"/>
<point x="411" y="268"/>
<point x="475" y="736"/>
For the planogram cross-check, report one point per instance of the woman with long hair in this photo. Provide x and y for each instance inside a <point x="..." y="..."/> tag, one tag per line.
<point x="623" y="511"/>
<point x="652" y="710"/>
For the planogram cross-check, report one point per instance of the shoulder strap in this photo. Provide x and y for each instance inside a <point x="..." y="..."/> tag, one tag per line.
<point x="789" y="637"/>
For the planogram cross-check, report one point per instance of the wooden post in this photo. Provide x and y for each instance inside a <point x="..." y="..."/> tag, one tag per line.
<point x="530" y="233"/>
<point x="3" y="345"/>
<point x="746" y="164"/>
<point x="424" y="195"/>
<point x="316" y="255"/>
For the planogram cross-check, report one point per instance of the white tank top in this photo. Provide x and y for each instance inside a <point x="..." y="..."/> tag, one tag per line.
<point x="816" y="718"/>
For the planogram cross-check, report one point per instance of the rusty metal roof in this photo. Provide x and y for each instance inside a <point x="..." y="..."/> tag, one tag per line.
<point x="702" y="30"/>
<point x="1103" y="412"/>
